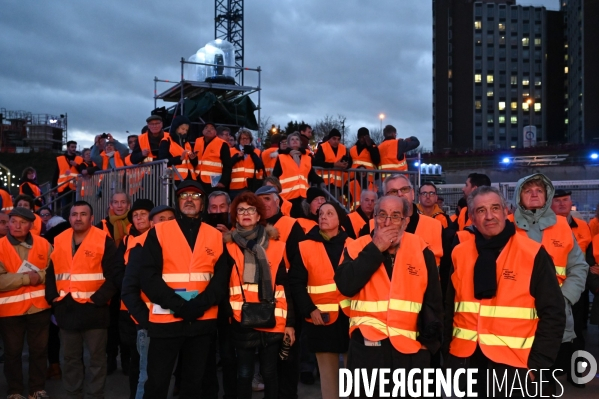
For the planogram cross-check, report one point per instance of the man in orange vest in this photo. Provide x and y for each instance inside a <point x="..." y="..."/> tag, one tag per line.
<point x="427" y="195"/>
<point x="109" y="153"/>
<point x="185" y="276"/>
<point x="562" y="206"/>
<point x="506" y="310"/>
<point x="269" y="156"/>
<point x="6" y="203"/>
<point x="473" y="181"/>
<point x="132" y="297"/>
<point x="79" y="285"/>
<point x="64" y="175"/>
<point x="396" y="308"/>
<point x="364" y="155"/>
<point x="393" y="150"/>
<point x="214" y="160"/>
<point x="148" y="144"/>
<point x="23" y="309"/>
<point x="357" y="219"/>
<point x="331" y="154"/>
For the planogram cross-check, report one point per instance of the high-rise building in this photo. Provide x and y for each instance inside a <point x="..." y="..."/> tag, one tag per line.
<point x="490" y="75"/>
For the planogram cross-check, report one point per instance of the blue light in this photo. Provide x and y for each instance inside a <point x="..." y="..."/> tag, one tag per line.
<point x="416" y="164"/>
<point x="505" y="160"/>
<point x="594" y="155"/>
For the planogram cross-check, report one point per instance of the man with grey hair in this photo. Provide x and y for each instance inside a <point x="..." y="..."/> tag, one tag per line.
<point x="396" y="303"/>
<point x="503" y="309"/>
<point x="218" y="211"/>
<point x="362" y="215"/>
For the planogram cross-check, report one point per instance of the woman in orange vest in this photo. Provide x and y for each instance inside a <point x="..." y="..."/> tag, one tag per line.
<point x="294" y="171"/>
<point x="28" y="186"/>
<point x="111" y="154"/>
<point x="311" y="278"/>
<point x="258" y="275"/>
<point x="248" y="169"/>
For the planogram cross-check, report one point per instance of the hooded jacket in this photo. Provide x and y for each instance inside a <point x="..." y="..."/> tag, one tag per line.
<point x="534" y="222"/>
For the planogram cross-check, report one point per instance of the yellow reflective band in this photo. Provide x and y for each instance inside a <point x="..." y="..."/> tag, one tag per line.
<point x="236" y="305"/>
<point x="508" y="312"/>
<point x="559" y="270"/>
<point x="22" y="297"/>
<point x="209" y="163"/>
<point x="463" y="333"/>
<point x="206" y="173"/>
<point x="364" y="163"/>
<point x="404" y="306"/>
<point x="280" y="313"/>
<point x="63" y="276"/>
<point x="87" y="277"/>
<point x="294" y="188"/>
<point x="510" y="342"/>
<point x="279" y="293"/>
<point x="236" y="170"/>
<point x="333" y="307"/>
<point x="238" y="180"/>
<point x="369" y="321"/>
<point x="78" y="294"/>
<point x="369" y="306"/>
<point x="321" y="289"/>
<point x="294" y="178"/>
<point x="388" y="166"/>
<point x="469" y="307"/>
<point x="345" y="303"/>
<point x="394" y="332"/>
<point x="200" y="276"/>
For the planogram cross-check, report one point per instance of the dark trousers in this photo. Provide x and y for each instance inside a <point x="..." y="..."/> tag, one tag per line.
<point x="54" y="344"/>
<point x="13" y="330"/>
<point x="228" y="359"/>
<point x="268" y="368"/>
<point x="210" y="380"/>
<point x="129" y="354"/>
<point x="114" y="338"/>
<point x="66" y="201"/>
<point x="289" y="369"/>
<point x="162" y="355"/>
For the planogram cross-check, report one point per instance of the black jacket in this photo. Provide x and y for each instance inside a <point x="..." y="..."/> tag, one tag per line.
<point x="319" y="158"/>
<point x="72" y="315"/>
<point x="152" y="284"/>
<point x="137" y="156"/>
<point x="130" y="282"/>
<point x="353" y="274"/>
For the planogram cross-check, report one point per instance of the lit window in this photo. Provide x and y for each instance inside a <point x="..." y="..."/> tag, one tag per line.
<point x="525" y="94"/>
<point x="490" y="92"/>
<point x="566" y="121"/>
<point x="525" y="106"/>
<point x="537" y="107"/>
<point x="514" y="120"/>
<point x="501" y="39"/>
<point x="525" y="81"/>
<point x="566" y="57"/>
<point x="501" y="119"/>
<point x="525" y="41"/>
<point x="478" y="78"/>
<point x="502" y="105"/>
<point x="514" y="105"/>
<point x="565" y="69"/>
<point x="489" y="78"/>
<point x="490" y="119"/>
<point x="478" y="104"/>
<point x="537" y="41"/>
<point x="501" y="27"/>
<point x="478" y="24"/>
<point x="537" y="80"/>
<point x="514" y="79"/>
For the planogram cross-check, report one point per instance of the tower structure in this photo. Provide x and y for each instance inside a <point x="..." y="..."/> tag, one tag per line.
<point x="228" y="25"/>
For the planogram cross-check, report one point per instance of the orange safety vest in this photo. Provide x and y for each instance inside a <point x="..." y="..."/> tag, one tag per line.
<point x="558" y="242"/>
<point x="361" y="160"/>
<point x="462" y="222"/>
<point x="294" y="179"/>
<point x="594" y="226"/>
<point x="34" y="188"/>
<point x="269" y="163"/>
<point x="36" y="227"/>
<point x="7" y="204"/>
<point x="118" y="161"/>
<point x="453" y="217"/>
<point x="357" y="222"/>
<point x="285" y="206"/>
<point x="306" y="224"/>
<point x="184" y="269"/>
<point x="503" y="326"/>
<point x="144" y="144"/>
<point x="63" y="176"/>
<point x="364" y="161"/>
<point x="437" y="214"/>
<point x="274" y="254"/>
<point x="330" y="177"/>
<point x="464" y="235"/>
<point x="186" y="166"/>
<point x="582" y="233"/>
<point x="80" y="275"/>
<point x="388" y="151"/>
<point x="389" y="308"/>
<point x="107" y="230"/>
<point x="209" y="160"/>
<point x="18" y="301"/>
<point x="243" y="170"/>
<point x="284" y="225"/>
<point x="130" y="242"/>
<point x="596" y="249"/>
<point x="321" y="280"/>
<point x="431" y="231"/>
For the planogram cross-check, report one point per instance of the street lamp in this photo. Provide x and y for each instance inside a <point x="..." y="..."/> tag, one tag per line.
<point x="381" y="117"/>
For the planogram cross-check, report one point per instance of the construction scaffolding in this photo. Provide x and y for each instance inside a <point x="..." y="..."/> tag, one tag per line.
<point x="23" y="132"/>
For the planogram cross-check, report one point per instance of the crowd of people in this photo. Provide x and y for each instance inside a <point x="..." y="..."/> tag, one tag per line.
<point x="255" y="263"/>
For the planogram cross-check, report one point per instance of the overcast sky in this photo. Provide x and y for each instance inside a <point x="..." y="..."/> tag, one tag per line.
<point x="96" y="61"/>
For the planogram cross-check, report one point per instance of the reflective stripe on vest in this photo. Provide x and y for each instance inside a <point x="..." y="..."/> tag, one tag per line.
<point x="274" y="254"/>
<point x="209" y="158"/>
<point x="131" y="242"/>
<point x="390" y="308"/>
<point x="243" y="170"/>
<point x="144" y="144"/>
<point x="66" y="172"/>
<point x="294" y="178"/>
<point x="17" y="302"/>
<point x="80" y="275"/>
<point x="184" y="269"/>
<point x="332" y="177"/>
<point x="503" y="326"/>
<point x="389" y="161"/>
<point x="268" y="161"/>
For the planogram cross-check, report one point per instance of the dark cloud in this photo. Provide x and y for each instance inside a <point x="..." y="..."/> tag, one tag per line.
<point x="97" y="61"/>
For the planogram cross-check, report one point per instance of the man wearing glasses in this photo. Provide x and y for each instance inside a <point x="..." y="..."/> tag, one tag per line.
<point x="185" y="276"/>
<point x="396" y="302"/>
<point x="427" y="196"/>
<point x="147" y="148"/>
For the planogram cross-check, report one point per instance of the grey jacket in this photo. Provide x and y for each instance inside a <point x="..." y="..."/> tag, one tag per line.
<point x="534" y="222"/>
<point x="97" y="158"/>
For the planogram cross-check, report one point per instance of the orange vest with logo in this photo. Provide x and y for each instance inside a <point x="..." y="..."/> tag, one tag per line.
<point x="294" y="179"/>
<point x="274" y="254"/>
<point x="504" y="326"/>
<point x="582" y="233"/>
<point x="389" y="308"/>
<point x="130" y="242"/>
<point x="184" y="269"/>
<point x="144" y="144"/>
<point x="321" y="285"/>
<point x="67" y="173"/>
<point x="388" y="151"/>
<point x="80" y="275"/>
<point x="118" y="161"/>
<point x="209" y="161"/>
<point x="269" y="163"/>
<point x="558" y="242"/>
<point x="331" y="177"/>
<point x="18" y="301"/>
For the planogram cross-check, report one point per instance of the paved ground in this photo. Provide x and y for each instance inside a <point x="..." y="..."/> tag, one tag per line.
<point x="117" y="384"/>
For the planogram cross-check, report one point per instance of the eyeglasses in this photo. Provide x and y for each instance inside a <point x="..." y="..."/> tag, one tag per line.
<point x="249" y="211"/>
<point x="404" y="190"/>
<point x="195" y="196"/>
<point x="428" y="194"/>
<point x="45" y="214"/>
<point x="395" y="219"/>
